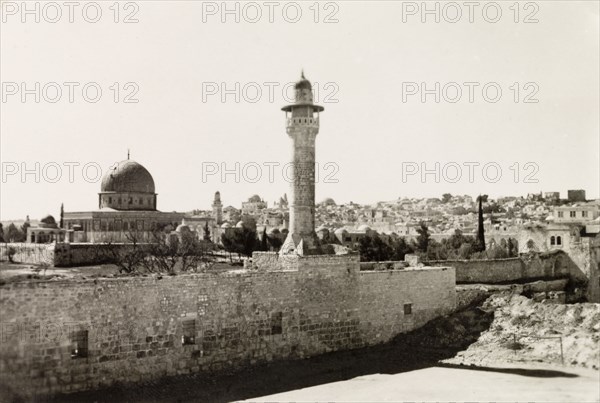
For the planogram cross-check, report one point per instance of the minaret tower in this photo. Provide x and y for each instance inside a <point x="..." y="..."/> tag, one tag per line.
<point x="302" y="123"/>
<point x="217" y="208"/>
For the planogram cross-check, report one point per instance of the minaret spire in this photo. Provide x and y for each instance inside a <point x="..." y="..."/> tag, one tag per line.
<point x="302" y="127"/>
<point x="128" y="153"/>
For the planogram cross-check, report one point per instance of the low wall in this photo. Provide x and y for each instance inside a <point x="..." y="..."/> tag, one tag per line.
<point x="63" y="254"/>
<point x="62" y="336"/>
<point x="527" y="267"/>
<point x="30" y="253"/>
<point x="467" y="295"/>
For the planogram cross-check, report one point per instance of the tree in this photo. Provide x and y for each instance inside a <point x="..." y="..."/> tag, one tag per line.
<point x="446" y="197"/>
<point x="373" y="248"/>
<point x="128" y="257"/>
<point x="264" y="245"/>
<point x="206" y="236"/>
<point x="170" y="255"/>
<point x="275" y="243"/>
<point x="242" y="241"/>
<point x="512" y="247"/>
<point x="13" y="234"/>
<point x="62" y="215"/>
<point x="480" y="229"/>
<point x="399" y="248"/>
<point x="423" y="238"/>
<point x="2" y="233"/>
<point x="10" y="253"/>
<point x="24" y="227"/>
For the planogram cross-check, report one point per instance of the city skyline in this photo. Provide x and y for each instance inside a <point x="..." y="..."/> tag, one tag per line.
<point x="369" y="133"/>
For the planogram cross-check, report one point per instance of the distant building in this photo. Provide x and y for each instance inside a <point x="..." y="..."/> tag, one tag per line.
<point x="126" y="208"/>
<point x="253" y="206"/>
<point x="577" y="213"/>
<point x="576" y="195"/>
<point x="552" y="196"/>
<point x="47" y="231"/>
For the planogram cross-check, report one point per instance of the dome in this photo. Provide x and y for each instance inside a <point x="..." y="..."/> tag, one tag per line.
<point x="48" y="222"/>
<point x="226" y="225"/>
<point x="364" y="227"/>
<point x="328" y="201"/>
<point x="182" y="228"/>
<point x="303" y="84"/>
<point x="340" y="231"/>
<point x="127" y="176"/>
<point x="240" y="224"/>
<point x="255" y="199"/>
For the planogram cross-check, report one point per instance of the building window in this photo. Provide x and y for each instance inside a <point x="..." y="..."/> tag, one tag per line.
<point x="572" y="214"/>
<point x="558" y="240"/>
<point x="119" y="201"/>
<point x="276" y="323"/>
<point x="584" y="213"/>
<point x="79" y="344"/>
<point x="189" y="332"/>
<point x="552" y="240"/>
<point x="408" y="309"/>
<point x="560" y="214"/>
<point x="131" y="200"/>
<point x="110" y="200"/>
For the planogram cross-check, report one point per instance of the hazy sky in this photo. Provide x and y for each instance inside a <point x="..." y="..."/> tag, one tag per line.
<point x="366" y="62"/>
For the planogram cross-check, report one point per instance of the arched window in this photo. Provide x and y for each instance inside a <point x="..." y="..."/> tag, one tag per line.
<point x="552" y="240"/>
<point x="558" y="240"/>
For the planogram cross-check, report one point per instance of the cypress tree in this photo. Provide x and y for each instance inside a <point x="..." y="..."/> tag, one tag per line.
<point x="480" y="230"/>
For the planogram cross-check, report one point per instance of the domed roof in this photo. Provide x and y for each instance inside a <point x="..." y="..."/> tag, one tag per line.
<point x="240" y="224"/>
<point x="340" y="231"/>
<point x="328" y="201"/>
<point x="364" y="227"/>
<point x="226" y="225"/>
<point x="182" y="228"/>
<point x="127" y="176"/>
<point x="255" y="199"/>
<point x="48" y="220"/>
<point x="303" y="84"/>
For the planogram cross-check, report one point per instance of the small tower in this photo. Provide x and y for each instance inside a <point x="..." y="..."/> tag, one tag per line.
<point x="302" y="123"/>
<point x="217" y="208"/>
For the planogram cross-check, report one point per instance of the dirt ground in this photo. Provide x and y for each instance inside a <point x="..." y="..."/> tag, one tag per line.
<point x="457" y="384"/>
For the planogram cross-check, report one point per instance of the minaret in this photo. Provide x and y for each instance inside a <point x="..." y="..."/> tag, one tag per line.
<point x="302" y="123"/>
<point x="217" y="208"/>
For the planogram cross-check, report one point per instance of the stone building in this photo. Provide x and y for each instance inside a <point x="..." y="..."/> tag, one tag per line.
<point x="253" y="206"/>
<point x="47" y="231"/>
<point x="578" y="213"/>
<point x="577" y="195"/>
<point x="126" y="208"/>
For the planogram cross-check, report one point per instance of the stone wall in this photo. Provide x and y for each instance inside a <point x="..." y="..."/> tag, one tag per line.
<point x="84" y="334"/>
<point x="527" y="267"/>
<point x="63" y="254"/>
<point x="30" y="253"/>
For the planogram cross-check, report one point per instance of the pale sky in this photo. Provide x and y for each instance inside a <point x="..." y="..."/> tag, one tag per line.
<point x="367" y="58"/>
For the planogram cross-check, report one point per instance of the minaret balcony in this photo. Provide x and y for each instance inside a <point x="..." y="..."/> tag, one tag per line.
<point x="303" y="122"/>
